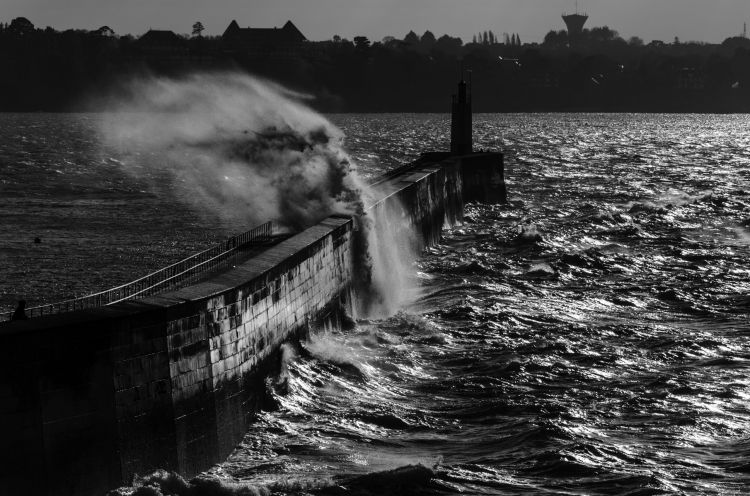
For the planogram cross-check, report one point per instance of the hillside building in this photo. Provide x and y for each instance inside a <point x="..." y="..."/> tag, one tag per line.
<point x="284" y="42"/>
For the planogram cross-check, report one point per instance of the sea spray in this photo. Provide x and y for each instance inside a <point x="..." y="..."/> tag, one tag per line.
<point x="244" y="149"/>
<point x="249" y="151"/>
<point x="392" y="250"/>
<point x="166" y="483"/>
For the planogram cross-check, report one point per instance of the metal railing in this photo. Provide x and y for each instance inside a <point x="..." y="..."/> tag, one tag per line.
<point x="187" y="270"/>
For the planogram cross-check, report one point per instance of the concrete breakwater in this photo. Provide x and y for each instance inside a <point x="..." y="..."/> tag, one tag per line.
<point x="90" y="398"/>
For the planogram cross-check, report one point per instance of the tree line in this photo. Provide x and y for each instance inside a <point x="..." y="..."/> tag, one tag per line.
<point x="598" y="70"/>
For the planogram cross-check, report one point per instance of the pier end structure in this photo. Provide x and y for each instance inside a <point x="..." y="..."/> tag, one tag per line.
<point x="92" y="397"/>
<point x="483" y="172"/>
<point x="462" y="142"/>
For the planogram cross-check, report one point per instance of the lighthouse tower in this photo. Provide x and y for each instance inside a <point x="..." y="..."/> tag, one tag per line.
<point x="461" y="136"/>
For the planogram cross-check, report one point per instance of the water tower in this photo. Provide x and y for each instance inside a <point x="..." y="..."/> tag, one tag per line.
<point x="574" y="23"/>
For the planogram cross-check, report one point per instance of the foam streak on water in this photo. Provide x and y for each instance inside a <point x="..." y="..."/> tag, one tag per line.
<point x="592" y="337"/>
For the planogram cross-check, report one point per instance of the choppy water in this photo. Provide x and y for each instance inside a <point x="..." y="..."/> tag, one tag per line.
<point x="101" y="222"/>
<point x="592" y="337"/>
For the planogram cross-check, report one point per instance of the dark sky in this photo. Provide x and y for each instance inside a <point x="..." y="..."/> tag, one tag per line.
<point x="702" y="20"/>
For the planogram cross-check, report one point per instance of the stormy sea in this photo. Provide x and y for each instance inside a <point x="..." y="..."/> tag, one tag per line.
<point x="589" y="337"/>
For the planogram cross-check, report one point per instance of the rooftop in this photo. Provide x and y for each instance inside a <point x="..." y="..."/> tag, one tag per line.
<point x="286" y="34"/>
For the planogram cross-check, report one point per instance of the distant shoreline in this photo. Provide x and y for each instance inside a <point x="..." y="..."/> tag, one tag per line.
<point x="447" y="113"/>
<point x="593" y="71"/>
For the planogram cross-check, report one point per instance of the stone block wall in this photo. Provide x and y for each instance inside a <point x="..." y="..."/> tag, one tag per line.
<point x="91" y="398"/>
<point x="56" y="411"/>
<point x="484" y="177"/>
<point x="204" y="378"/>
<point x="140" y="378"/>
<point x="423" y="200"/>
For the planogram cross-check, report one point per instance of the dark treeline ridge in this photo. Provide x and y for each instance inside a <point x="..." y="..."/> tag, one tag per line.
<point x="49" y="70"/>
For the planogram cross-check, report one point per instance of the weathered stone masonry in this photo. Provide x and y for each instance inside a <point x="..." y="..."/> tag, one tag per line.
<point x="215" y="353"/>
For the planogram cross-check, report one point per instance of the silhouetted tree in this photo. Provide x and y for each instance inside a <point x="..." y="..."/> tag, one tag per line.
<point x="448" y="45"/>
<point x="336" y="38"/>
<point x="427" y="41"/>
<point x="556" y="39"/>
<point x="411" y="39"/>
<point x="601" y="34"/>
<point x="735" y="42"/>
<point x="635" y="41"/>
<point x="198" y="28"/>
<point x="361" y="42"/>
<point x="20" y="26"/>
<point x="105" y="31"/>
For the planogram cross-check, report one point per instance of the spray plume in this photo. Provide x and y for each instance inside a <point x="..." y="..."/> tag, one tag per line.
<point x="391" y="247"/>
<point x="246" y="149"/>
<point x="249" y="151"/>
